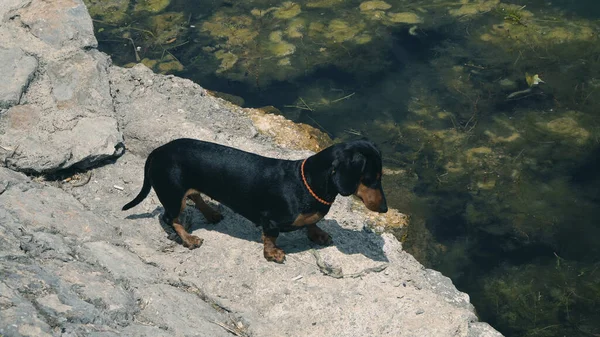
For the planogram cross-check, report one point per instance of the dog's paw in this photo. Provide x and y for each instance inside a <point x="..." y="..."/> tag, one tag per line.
<point x="192" y="242"/>
<point x="319" y="236"/>
<point x="274" y="254"/>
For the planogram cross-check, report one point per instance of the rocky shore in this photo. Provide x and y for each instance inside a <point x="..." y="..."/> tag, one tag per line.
<point x="74" y="134"/>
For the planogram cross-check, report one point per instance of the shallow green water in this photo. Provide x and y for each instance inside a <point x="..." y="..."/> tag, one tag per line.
<point x="499" y="172"/>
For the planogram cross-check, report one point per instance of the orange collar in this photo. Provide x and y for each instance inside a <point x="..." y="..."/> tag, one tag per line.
<point x="308" y="187"/>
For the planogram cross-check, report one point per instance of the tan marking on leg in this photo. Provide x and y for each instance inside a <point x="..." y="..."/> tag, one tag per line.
<point x="318" y="236"/>
<point x="209" y="213"/>
<point x="190" y="241"/>
<point x="271" y="251"/>
<point x="307" y="219"/>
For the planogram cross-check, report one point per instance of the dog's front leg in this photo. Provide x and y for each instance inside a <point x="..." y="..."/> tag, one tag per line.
<point x="318" y="236"/>
<point x="271" y="251"/>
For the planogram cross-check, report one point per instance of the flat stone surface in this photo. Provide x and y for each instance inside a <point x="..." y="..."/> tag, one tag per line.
<point x="60" y="22"/>
<point x="8" y="6"/>
<point x="35" y="141"/>
<point x="17" y="70"/>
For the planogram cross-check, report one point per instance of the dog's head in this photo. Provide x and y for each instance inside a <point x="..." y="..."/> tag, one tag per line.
<point x="357" y="170"/>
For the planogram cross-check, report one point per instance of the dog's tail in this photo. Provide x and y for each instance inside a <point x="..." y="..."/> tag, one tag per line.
<point x="145" y="187"/>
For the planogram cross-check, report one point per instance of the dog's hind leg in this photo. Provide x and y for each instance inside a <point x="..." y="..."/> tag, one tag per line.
<point x="209" y="213"/>
<point x="172" y="211"/>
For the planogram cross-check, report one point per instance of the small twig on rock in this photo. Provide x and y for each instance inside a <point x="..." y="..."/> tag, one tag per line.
<point x="236" y="331"/>
<point x="84" y="181"/>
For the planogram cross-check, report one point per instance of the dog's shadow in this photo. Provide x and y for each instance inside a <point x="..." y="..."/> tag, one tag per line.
<point x="347" y="241"/>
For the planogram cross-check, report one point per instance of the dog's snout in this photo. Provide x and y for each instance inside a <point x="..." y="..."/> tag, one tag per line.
<point x="373" y="198"/>
<point x="383" y="207"/>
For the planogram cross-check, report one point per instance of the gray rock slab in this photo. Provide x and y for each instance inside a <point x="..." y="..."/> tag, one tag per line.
<point x="7" y="7"/>
<point x="18" y="316"/>
<point x="80" y="79"/>
<point x="51" y="209"/>
<point x="59" y="23"/>
<point x="17" y="70"/>
<point x="482" y="329"/>
<point x="180" y="312"/>
<point x="36" y="141"/>
<point x="153" y="110"/>
<point x="120" y="263"/>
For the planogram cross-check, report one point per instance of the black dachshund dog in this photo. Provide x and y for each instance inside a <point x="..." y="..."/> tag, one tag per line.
<point x="279" y="195"/>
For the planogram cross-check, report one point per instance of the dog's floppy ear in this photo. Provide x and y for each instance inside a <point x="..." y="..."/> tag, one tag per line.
<point x="348" y="167"/>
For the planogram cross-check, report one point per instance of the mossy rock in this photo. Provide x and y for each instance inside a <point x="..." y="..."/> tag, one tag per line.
<point x="374" y="5"/>
<point x="567" y="129"/>
<point x="114" y="11"/>
<point x="149" y="63"/>
<point x="238" y="30"/>
<point x="519" y="28"/>
<point x="341" y="31"/>
<point x="287" y="10"/>
<point x="473" y="7"/>
<point x="228" y="60"/>
<point x="153" y="6"/>
<point x="296" y="28"/>
<point x="404" y="17"/>
<point x="167" y="26"/>
<point x="323" y="3"/>
<point x="170" y="67"/>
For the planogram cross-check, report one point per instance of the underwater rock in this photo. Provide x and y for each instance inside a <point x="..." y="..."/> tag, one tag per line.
<point x="169" y="67"/>
<point x="278" y="47"/>
<point x="114" y="11"/>
<point x="237" y="100"/>
<point x="295" y="28"/>
<point x="520" y="29"/>
<point x="362" y="39"/>
<point x="375" y="15"/>
<point x="474" y="7"/>
<point x="154" y="6"/>
<point x="287" y="10"/>
<point x="284" y="62"/>
<point x="474" y="155"/>
<point x="323" y="3"/>
<point x="315" y="29"/>
<point x="238" y="29"/>
<point x="404" y="17"/>
<point x="374" y="5"/>
<point x="503" y="125"/>
<point x="262" y="12"/>
<point x="568" y="128"/>
<point x="340" y="31"/>
<point x="148" y="63"/>
<point x="228" y="60"/>
<point x="167" y="26"/>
